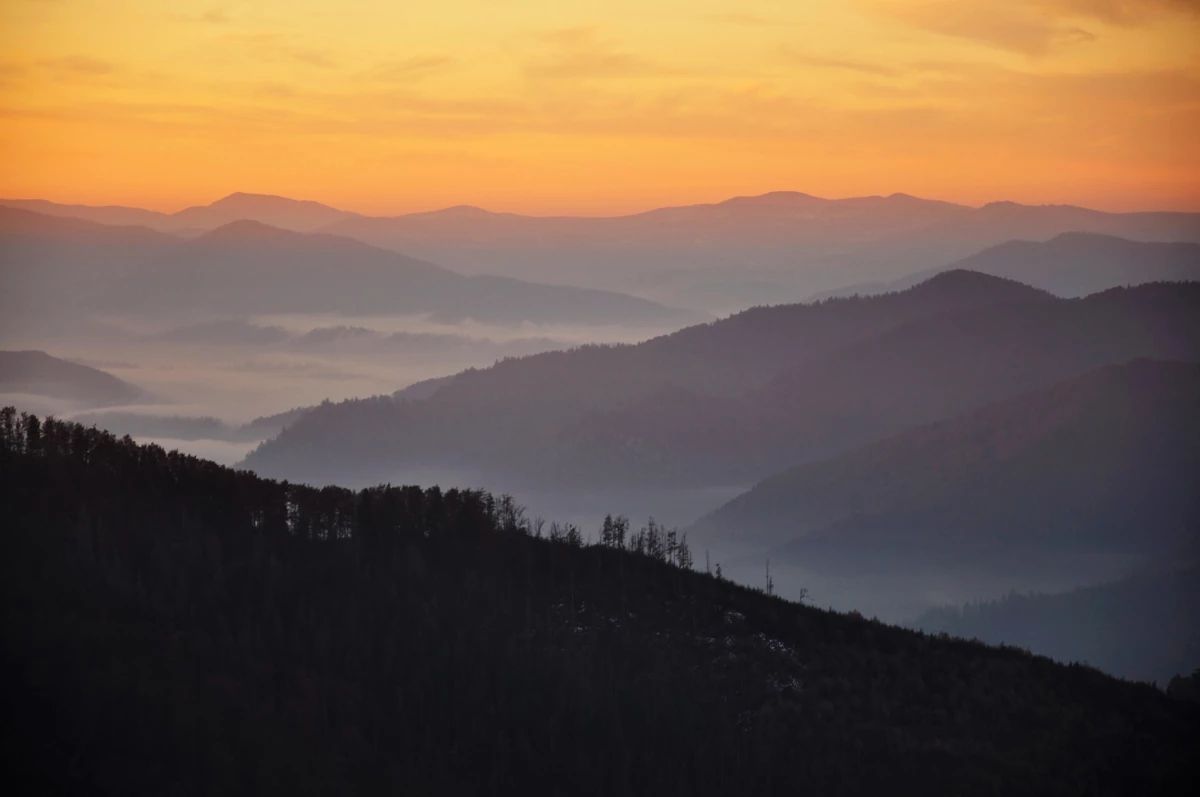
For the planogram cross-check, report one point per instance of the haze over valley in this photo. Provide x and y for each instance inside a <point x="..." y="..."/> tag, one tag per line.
<point x="237" y="334"/>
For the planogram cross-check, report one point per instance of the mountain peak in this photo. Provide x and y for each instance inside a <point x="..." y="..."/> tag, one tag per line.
<point x="246" y="230"/>
<point x="961" y="281"/>
<point x="774" y="199"/>
<point x="464" y="210"/>
<point x="246" y="199"/>
<point x="301" y="215"/>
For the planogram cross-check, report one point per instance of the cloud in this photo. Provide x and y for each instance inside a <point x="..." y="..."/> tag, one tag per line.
<point x="409" y="68"/>
<point x="1018" y="25"/>
<point x="275" y="47"/>
<point x="1120" y="12"/>
<point x="310" y="56"/>
<point x="1033" y="27"/>
<point x="823" y="62"/>
<point x="582" y="53"/>
<point x="77" y="65"/>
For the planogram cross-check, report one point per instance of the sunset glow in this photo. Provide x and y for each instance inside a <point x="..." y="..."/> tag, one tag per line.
<point x="605" y="107"/>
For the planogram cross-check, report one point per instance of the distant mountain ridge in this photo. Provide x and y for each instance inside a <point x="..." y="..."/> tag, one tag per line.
<point x="1070" y="264"/>
<point x="722" y="256"/>
<point x="38" y="373"/>
<point x="77" y="267"/>
<point x="277" y="211"/>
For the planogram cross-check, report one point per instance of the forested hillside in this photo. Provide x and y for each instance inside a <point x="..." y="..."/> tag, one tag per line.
<point x="1142" y="627"/>
<point x="1101" y="462"/>
<point x="737" y="400"/>
<point x="172" y="626"/>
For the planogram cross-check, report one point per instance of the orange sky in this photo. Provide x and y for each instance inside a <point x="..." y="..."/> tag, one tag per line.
<point x="600" y="107"/>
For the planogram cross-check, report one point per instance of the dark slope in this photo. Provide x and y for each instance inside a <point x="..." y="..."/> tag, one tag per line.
<point x="37" y="373"/>
<point x="171" y="626"/>
<point x="747" y="396"/>
<point x="1103" y="462"/>
<point x="1072" y="264"/>
<point x="1143" y="627"/>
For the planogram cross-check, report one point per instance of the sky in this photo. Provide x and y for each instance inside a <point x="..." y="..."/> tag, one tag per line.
<point x="600" y="107"/>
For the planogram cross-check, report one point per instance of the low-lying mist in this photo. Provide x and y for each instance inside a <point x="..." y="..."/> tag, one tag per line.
<point x="220" y="373"/>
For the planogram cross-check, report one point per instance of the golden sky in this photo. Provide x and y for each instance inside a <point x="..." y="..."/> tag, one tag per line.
<point x="600" y="107"/>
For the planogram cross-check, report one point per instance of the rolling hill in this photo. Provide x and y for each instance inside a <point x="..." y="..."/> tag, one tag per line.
<point x="1103" y="462"/>
<point x="1142" y="627"/>
<point x="37" y="373"/>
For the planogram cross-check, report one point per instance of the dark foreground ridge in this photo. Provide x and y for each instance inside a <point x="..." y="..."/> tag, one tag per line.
<point x="175" y="627"/>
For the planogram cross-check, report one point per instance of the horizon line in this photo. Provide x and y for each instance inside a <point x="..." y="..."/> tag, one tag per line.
<point x="617" y="215"/>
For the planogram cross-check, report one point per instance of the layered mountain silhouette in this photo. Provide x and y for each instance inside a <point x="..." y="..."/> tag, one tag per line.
<point x="739" y="399"/>
<point x="39" y="374"/>
<point x="277" y="211"/>
<point x="1100" y="463"/>
<point x="1141" y="628"/>
<point x="1076" y="264"/>
<point x="745" y="248"/>
<point x="1071" y="264"/>
<point x="54" y="265"/>
<point x="50" y="265"/>
<point x="717" y="257"/>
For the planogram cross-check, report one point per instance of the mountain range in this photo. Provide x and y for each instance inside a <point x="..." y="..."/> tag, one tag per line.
<point x="276" y="211"/>
<point x="53" y="267"/>
<point x="715" y="257"/>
